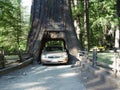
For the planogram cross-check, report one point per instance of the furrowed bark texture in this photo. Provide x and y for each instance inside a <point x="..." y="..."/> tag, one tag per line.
<point x="55" y="15"/>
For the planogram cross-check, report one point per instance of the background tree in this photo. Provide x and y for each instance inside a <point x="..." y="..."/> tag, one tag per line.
<point x="117" y="32"/>
<point x="102" y="22"/>
<point x="86" y="23"/>
<point x="13" y="28"/>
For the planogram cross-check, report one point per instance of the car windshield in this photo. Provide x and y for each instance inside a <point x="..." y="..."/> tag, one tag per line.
<point x="53" y="48"/>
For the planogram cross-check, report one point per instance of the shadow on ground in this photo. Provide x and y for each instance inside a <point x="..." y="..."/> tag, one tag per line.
<point x="97" y="81"/>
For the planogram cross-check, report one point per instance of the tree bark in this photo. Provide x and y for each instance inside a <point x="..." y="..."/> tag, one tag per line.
<point x="118" y="8"/>
<point x="46" y="14"/>
<point x="86" y="23"/>
<point x="117" y="38"/>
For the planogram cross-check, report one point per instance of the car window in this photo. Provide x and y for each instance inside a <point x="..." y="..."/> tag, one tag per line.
<point x="53" y="49"/>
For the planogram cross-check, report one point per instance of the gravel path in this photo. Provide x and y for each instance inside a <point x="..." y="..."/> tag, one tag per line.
<point x="38" y="77"/>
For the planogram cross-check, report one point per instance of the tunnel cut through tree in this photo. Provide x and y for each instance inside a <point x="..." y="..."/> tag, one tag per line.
<point x="51" y="19"/>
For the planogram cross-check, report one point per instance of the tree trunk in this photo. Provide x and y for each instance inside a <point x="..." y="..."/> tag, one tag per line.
<point x="117" y="38"/>
<point x="76" y="22"/>
<point x="118" y="8"/>
<point x="117" y="33"/>
<point x="86" y="23"/>
<point x="46" y="15"/>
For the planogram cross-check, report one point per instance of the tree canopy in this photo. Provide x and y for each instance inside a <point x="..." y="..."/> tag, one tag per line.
<point x="13" y="27"/>
<point x="103" y="21"/>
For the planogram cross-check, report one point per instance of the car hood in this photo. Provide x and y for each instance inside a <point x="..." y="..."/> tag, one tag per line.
<point x="54" y="53"/>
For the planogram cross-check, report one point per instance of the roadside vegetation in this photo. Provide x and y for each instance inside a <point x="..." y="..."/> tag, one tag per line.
<point x="105" y="58"/>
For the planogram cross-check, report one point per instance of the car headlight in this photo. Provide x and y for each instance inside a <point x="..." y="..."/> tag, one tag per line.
<point x="43" y="56"/>
<point x="65" y="56"/>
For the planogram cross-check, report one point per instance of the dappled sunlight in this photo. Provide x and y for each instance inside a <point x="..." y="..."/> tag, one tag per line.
<point x="64" y="66"/>
<point x="22" y="85"/>
<point x="95" y="82"/>
<point x="37" y="70"/>
<point x="74" y="51"/>
<point x="48" y="78"/>
<point x="67" y="75"/>
<point x="42" y="77"/>
<point x="38" y="88"/>
<point x="98" y="81"/>
<point x="25" y="86"/>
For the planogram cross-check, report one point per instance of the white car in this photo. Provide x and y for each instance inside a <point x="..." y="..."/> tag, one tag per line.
<point x="54" y="55"/>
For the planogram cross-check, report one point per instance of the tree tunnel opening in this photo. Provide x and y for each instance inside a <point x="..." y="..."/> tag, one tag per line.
<point x="52" y="42"/>
<point x="55" y="17"/>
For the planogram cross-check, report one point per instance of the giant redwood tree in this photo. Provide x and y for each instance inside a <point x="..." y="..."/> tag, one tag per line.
<point x="51" y="17"/>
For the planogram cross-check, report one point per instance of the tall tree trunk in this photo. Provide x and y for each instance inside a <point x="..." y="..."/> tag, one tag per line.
<point x="51" y="12"/>
<point x="18" y="31"/>
<point x="76" y="22"/>
<point x="118" y="8"/>
<point x="117" y="33"/>
<point x="86" y="23"/>
<point x="117" y="37"/>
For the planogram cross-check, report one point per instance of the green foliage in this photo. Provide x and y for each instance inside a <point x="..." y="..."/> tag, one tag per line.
<point x="104" y="57"/>
<point x="79" y="11"/>
<point x="54" y="42"/>
<point x="102" y="18"/>
<point x="13" y="29"/>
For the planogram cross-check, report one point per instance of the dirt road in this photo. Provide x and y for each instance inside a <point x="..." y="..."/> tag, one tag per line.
<point x="39" y="77"/>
